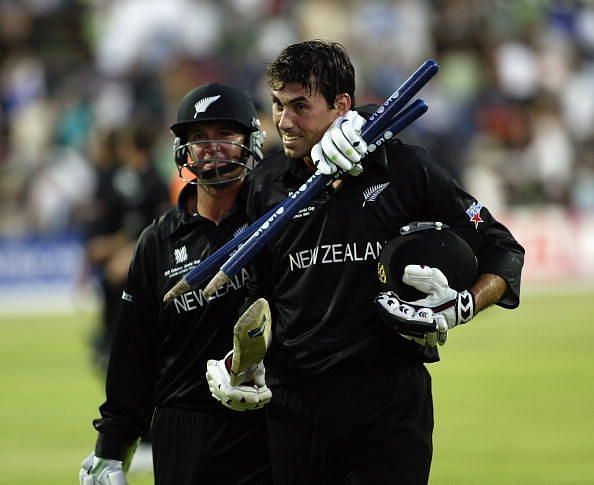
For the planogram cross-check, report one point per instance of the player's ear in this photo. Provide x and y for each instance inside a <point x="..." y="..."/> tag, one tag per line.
<point x="342" y="104"/>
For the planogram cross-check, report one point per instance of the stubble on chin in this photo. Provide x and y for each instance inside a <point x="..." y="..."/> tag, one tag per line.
<point x="295" y="154"/>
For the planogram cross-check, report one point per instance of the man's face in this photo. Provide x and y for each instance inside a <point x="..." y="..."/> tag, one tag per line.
<point x="213" y="140"/>
<point x="301" y="117"/>
<point x="213" y="145"/>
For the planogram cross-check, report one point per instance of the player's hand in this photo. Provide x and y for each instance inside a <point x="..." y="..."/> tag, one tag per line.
<point x="421" y="325"/>
<point x="342" y="147"/>
<point x="101" y="471"/>
<point x="252" y="394"/>
<point x="427" y="320"/>
<point x="456" y="307"/>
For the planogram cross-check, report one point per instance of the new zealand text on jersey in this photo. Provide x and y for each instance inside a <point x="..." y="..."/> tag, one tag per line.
<point x="335" y="253"/>
<point x="191" y="300"/>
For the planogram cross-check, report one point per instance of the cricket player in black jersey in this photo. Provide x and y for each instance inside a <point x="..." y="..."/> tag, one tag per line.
<point x="156" y="369"/>
<point x="351" y="397"/>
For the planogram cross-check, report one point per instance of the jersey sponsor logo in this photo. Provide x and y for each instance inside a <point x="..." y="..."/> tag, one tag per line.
<point x="181" y="269"/>
<point x="335" y="254"/>
<point x="180" y="254"/>
<point x="127" y="296"/>
<point x="194" y="299"/>
<point x="371" y="193"/>
<point x="474" y="213"/>
<point x="202" y="105"/>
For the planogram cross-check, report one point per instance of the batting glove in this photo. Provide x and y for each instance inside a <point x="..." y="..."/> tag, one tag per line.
<point x="420" y="325"/>
<point x="101" y="471"/>
<point x="456" y="307"/>
<point x="427" y="320"/>
<point x="342" y="147"/>
<point x="252" y="394"/>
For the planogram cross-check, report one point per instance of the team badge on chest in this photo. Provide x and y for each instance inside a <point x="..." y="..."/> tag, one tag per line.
<point x="371" y="193"/>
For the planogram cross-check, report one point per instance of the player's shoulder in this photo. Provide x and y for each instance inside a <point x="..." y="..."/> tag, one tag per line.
<point x="403" y="158"/>
<point x="271" y="168"/>
<point x="272" y="164"/>
<point x="396" y="148"/>
<point x="164" y="226"/>
<point x="405" y="152"/>
<point x="161" y="227"/>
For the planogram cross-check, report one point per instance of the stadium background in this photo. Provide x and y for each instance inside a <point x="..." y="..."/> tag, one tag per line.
<point x="511" y="115"/>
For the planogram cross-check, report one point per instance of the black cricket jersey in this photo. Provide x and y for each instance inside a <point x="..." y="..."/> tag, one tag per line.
<point x="159" y="352"/>
<point x="320" y="272"/>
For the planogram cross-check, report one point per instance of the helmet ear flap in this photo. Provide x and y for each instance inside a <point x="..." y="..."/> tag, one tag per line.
<point x="180" y="152"/>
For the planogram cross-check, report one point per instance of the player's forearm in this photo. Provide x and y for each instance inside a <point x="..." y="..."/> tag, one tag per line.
<point x="487" y="290"/>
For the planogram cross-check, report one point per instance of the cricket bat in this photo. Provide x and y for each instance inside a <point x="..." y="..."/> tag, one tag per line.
<point x="251" y="338"/>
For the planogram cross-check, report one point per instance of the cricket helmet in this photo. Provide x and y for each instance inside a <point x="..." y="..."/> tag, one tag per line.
<point x="430" y="244"/>
<point x="217" y="102"/>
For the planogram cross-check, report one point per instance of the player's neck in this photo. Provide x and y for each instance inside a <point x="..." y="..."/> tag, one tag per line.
<point x="214" y="203"/>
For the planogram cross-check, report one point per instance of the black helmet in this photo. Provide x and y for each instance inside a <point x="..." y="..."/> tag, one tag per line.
<point x="217" y="102"/>
<point x="431" y="244"/>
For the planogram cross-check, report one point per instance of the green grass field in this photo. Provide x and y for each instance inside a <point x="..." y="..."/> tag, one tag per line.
<point x="514" y="397"/>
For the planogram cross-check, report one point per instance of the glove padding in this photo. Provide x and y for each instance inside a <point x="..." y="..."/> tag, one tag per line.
<point x="101" y="471"/>
<point x="426" y="321"/>
<point x="420" y="325"/>
<point x="456" y="307"/>
<point x="342" y="147"/>
<point x="252" y="394"/>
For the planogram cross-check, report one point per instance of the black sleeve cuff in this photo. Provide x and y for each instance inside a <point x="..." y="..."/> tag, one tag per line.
<point x="112" y="447"/>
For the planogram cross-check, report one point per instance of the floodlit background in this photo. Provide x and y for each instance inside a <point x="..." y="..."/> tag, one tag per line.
<point x="511" y="114"/>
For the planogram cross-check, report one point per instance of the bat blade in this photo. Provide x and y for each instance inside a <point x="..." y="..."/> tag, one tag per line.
<point x="251" y="338"/>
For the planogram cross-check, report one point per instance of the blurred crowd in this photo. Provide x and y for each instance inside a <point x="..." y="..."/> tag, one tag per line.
<point x="511" y="110"/>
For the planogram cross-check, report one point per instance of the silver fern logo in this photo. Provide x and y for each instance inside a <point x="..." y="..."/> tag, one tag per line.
<point x="371" y="193"/>
<point x="239" y="230"/>
<point x="202" y="105"/>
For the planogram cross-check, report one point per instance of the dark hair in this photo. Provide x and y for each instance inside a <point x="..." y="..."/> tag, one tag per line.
<point x="317" y="65"/>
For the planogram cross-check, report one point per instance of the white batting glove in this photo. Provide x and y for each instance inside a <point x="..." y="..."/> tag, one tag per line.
<point x="342" y="147"/>
<point x="101" y="471"/>
<point x="421" y="325"/>
<point x="456" y="307"/>
<point x="252" y="394"/>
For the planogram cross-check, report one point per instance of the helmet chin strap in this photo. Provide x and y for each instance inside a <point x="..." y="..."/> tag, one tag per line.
<point x="213" y="177"/>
